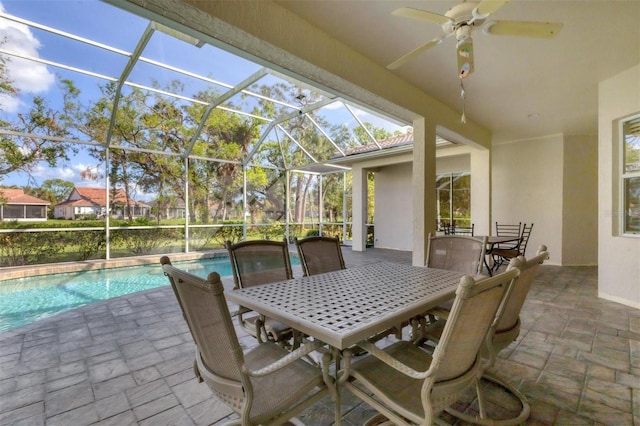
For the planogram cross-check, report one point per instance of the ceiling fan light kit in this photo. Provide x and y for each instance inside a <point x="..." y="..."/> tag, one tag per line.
<point x="460" y="21"/>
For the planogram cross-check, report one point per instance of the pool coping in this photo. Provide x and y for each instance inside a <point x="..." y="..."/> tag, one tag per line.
<point x="14" y="272"/>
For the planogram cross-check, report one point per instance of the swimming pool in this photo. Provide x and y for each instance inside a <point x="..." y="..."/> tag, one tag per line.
<point x="26" y="300"/>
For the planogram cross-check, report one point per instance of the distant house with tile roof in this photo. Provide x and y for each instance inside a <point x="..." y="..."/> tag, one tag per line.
<point x="404" y="139"/>
<point x="86" y="201"/>
<point x="16" y="205"/>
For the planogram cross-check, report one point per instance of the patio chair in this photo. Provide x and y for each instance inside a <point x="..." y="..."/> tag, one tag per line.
<point x="260" y="262"/>
<point x="265" y="386"/>
<point x="319" y="254"/>
<point x="506" y="252"/>
<point x="408" y="385"/>
<point x="454" y="253"/>
<point x="464" y="230"/>
<point x="506" y="331"/>
<point x="459" y="253"/>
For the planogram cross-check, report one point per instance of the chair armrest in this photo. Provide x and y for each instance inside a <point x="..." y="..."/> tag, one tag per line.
<point x="293" y="356"/>
<point x="392" y="362"/>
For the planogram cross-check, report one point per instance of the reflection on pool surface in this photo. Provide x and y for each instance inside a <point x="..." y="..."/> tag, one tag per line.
<point x="25" y="300"/>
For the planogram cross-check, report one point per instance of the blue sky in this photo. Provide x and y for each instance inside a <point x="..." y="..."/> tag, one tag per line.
<point x="104" y="23"/>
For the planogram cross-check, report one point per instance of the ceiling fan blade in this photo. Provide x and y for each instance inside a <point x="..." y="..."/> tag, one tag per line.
<point x="423" y="15"/>
<point x="415" y="52"/>
<point x="523" y="28"/>
<point x="487" y="7"/>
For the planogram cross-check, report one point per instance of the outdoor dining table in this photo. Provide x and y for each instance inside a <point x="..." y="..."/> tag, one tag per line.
<point x="344" y="307"/>
<point x="492" y="241"/>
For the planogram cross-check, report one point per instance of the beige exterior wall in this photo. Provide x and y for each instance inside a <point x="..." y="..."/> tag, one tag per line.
<point x="528" y="187"/>
<point x="394" y="207"/>
<point x="618" y="256"/>
<point x="580" y="201"/>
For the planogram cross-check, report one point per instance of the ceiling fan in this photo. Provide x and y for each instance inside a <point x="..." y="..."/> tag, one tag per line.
<point x="461" y="20"/>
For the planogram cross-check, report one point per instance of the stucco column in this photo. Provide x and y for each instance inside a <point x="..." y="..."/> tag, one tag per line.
<point x="424" y="187"/>
<point x="481" y="191"/>
<point x="359" y="208"/>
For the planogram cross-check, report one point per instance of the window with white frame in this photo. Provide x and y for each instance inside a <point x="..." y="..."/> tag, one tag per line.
<point x="631" y="175"/>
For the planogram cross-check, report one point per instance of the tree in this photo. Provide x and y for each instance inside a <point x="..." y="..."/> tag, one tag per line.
<point x="23" y="153"/>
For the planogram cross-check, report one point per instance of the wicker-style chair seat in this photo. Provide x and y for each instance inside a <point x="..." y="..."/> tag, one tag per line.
<point x="265" y="386"/>
<point x="258" y="262"/>
<point x="319" y="255"/>
<point x="408" y="385"/>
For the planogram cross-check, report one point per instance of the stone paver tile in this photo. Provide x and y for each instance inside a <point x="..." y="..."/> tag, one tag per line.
<point x="147" y="359"/>
<point x="611" y="342"/>
<point x="601" y="372"/>
<point x="123" y="419"/>
<point x="146" y="375"/>
<point x="173" y="416"/>
<point x="591" y="397"/>
<point x="569" y="385"/>
<point x="112" y="405"/>
<point x="604" y="414"/>
<point x="542" y="412"/>
<point x="147" y="392"/>
<point x="567" y="367"/>
<point x="213" y="410"/>
<point x="627" y="379"/>
<point x="64" y="382"/>
<point x="604" y="360"/>
<point x="32" y="411"/>
<point x="80" y="416"/>
<point x="155" y="407"/>
<point x="66" y="399"/>
<point x="612" y="389"/>
<point x="110" y="387"/>
<point x="67" y="369"/>
<point x="576" y="344"/>
<point x="22" y="381"/>
<point x="167" y="342"/>
<point x="102" y="358"/>
<point x="573" y="419"/>
<point x="191" y="392"/>
<point x="107" y="370"/>
<point x="535" y="359"/>
<point x="181" y="377"/>
<point x="551" y="395"/>
<point x="22" y="398"/>
<point x="134" y="349"/>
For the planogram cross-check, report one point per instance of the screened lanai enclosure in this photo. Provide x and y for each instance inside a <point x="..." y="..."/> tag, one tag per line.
<point x="127" y="137"/>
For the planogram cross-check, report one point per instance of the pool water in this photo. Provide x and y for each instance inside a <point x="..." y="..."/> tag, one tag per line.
<point x="26" y="300"/>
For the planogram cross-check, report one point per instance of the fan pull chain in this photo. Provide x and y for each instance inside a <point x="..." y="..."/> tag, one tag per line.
<point x="463" y="95"/>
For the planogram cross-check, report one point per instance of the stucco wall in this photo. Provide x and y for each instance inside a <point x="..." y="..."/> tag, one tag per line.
<point x="618" y="257"/>
<point x="580" y="201"/>
<point x="527" y="181"/>
<point x="394" y="207"/>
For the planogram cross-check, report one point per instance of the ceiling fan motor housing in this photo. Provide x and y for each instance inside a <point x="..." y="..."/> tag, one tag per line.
<point x="460" y="16"/>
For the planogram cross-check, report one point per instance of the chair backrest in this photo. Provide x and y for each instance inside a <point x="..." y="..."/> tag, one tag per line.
<point x="513" y="304"/>
<point x="524" y="238"/>
<point x="205" y="309"/>
<point x="472" y="315"/>
<point x="319" y="254"/>
<point x="259" y="262"/>
<point x="456" y="253"/>
<point x="464" y="230"/>
<point x="507" y="230"/>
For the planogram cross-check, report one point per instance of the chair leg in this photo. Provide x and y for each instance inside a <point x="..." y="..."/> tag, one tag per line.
<point x="484" y="420"/>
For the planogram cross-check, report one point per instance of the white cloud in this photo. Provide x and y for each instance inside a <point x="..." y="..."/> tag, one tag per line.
<point x="26" y="76"/>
